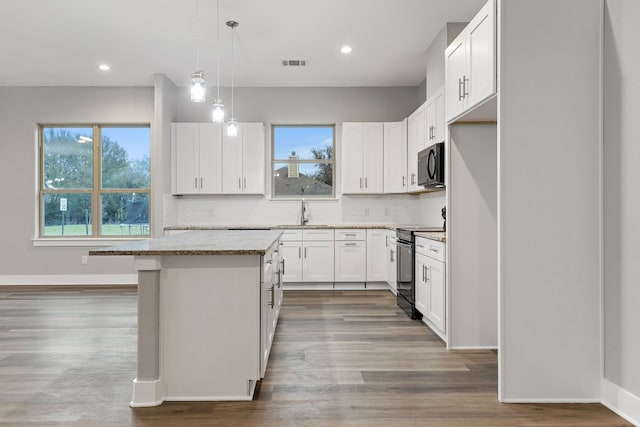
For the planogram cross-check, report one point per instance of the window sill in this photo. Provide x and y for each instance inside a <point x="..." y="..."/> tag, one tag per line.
<point x="83" y="242"/>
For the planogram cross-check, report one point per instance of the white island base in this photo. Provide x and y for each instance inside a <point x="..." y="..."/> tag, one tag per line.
<point x="208" y="304"/>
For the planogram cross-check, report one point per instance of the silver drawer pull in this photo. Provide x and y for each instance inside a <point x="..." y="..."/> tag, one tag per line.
<point x="434" y="250"/>
<point x="420" y="246"/>
<point x="349" y="244"/>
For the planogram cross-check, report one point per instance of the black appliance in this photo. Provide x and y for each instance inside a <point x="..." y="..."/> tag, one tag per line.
<point x="431" y="166"/>
<point x="405" y="273"/>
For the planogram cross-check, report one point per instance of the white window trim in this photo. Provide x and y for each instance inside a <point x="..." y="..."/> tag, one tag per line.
<point x="81" y="242"/>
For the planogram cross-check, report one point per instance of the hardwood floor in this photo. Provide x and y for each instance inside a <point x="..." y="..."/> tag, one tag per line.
<point x="341" y="358"/>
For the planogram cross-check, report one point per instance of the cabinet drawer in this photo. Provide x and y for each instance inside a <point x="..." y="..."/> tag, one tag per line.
<point x="317" y="234"/>
<point x="291" y="235"/>
<point x="430" y="248"/>
<point x="351" y="234"/>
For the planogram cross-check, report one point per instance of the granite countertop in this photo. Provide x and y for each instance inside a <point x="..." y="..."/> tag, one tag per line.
<point x="439" y="236"/>
<point x="412" y="227"/>
<point x="202" y="242"/>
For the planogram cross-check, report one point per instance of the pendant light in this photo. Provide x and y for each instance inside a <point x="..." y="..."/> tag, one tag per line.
<point x="232" y="125"/>
<point x="217" y="116"/>
<point x="197" y="77"/>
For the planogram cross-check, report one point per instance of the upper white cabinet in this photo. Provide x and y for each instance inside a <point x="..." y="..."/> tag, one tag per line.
<point x="206" y="161"/>
<point x="243" y="160"/>
<point x="470" y="64"/>
<point x="362" y="158"/>
<point x="196" y="158"/>
<point x="434" y="112"/>
<point x="416" y="141"/>
<point x="395" y="157"/>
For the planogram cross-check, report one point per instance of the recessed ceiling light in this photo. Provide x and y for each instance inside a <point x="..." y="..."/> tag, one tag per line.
<point x="346" y="49"/>
<point x="104" y="67"/>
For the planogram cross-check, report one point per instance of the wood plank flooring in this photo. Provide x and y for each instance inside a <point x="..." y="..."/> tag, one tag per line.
<point x="339" y="358"/>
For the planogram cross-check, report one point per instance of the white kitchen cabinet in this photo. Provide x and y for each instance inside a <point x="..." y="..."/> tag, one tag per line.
<point x="434" y="112"/>
<point x="376" y="255"/>
<point x="243" y="161"/>
<point x="422" y="286"/>
<point x="318" y="261"/>
<point x="416" y="141"/>
<point x="291" y="253"/>
<point x="395" y="157"/>
<point x="430" y="283"/>
<point x="362" y="158"/>
<point x="392" y="275"/>
<point x="350" y="261"/>
<point x="271" y="296"/>
<point x="470" y="64"/>
<point x="196" y="158"/>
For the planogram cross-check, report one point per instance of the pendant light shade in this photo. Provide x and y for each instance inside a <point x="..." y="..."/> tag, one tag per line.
<point x="197" y="87"/>
<point x="232" y="125"/>
<point x="217" y="116"/>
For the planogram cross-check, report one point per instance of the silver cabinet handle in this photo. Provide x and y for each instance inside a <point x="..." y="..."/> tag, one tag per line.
<point x="299" y="252"/>
<point x="392" y="256"/>
<point x="420" y="246"/>
<point x="428" y="273"/>
<point x="465" y="80"/>
<point x="365" y="182"/>
<point x="403" y="180"/>
<point x="273" y="294"/>
<point x="413" y="178"/>
<point x="386" y="241"/>
<point x="196" y="182"/>
<point x="245" y="181"/>
<point x="349" y="234"/>
<point x="349" y="244"/>
<point x="283" y="266"/>
<point x="200" y="182"/>
<point x="460" y="90"/>
<point x="432" y="249"/>
<point x="305" y="252"/>
<point x="239" y="184"/>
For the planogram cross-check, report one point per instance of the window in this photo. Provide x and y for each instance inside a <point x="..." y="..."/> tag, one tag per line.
<point x="303" y="161"/>
<point x="94" y="180"/>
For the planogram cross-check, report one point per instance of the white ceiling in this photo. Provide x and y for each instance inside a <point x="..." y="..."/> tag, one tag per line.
<point x="61" y="42"/>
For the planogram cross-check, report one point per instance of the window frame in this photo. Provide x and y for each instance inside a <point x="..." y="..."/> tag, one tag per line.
<point x="331" y="161"/>
<point x="96" y="191"/>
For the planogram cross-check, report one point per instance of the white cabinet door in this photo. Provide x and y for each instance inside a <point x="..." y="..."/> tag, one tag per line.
<point x="422" y="291"/>
<point x="373" y="158"/>
<point x="291" y="252"/>
<point x="352" y="159"/>
<point x="435" y="118"/>
<point x="318" y="261"/>
<point x="395" y="157"/>
<point x="437" y="293"/>
<point x="232" y="162"/>
<point x="391" y="260"/>
<point x="470" y="64"/>
<point x="253" y="166"/>
<point x="416" y="133"/>
<point x="210" y="158"/>
<point x="455" y="73"/>
<point x="350" y="261"/>
<point x="481" y="56"/>
<point x="185" y="144"/>
<point x="376" y="255"/>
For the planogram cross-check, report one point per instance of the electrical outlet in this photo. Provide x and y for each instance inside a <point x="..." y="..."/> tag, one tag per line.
<point x="85" y="259"/>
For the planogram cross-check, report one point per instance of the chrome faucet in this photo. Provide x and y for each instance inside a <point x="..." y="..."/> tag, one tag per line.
<point x="303" y="213"/>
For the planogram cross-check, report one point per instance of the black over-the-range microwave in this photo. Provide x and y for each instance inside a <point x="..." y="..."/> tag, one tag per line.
<point x="431" y="166"/>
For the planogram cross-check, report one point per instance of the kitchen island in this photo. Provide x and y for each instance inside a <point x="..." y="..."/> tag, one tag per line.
<point x="208" y="304"/>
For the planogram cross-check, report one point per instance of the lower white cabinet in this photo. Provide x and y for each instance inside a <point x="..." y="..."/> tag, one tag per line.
<point x="291" y="252"/>
<point x="391" y="254"/>
<point x="351" y="255"/>
<point x="376" y="255"/>
<point x="318" y="261"/>
<point x="431" y="295"/>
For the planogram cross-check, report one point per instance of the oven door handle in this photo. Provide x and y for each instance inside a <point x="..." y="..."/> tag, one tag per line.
<point x="406" y="245"/>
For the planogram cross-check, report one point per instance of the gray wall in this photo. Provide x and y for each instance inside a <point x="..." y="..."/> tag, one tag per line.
<point x="21" y="109"/>
<point x="621" y="195"/>
<point x="548" y="199"/>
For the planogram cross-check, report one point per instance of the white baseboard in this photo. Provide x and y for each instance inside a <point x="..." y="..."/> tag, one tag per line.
<point x="148" y="393"/>
<point x="68" y="279"/>
<point x="554" y="400"/>
<point x="474" y="347"/>
<point x="620" y="401"/>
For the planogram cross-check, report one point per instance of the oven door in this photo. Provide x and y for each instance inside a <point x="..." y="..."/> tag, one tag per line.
<point x="405" y="271"/>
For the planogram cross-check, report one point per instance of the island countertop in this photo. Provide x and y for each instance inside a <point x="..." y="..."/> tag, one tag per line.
<point x="201" y="242"/>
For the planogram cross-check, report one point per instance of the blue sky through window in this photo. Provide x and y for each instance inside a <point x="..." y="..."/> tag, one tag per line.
<point x="301" y="140"/>
<point x="136" y="141"/>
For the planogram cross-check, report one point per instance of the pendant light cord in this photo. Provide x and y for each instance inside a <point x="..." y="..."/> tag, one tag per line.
<point x="232" y="68"/>
<point x="197" y="35"/>
<point x="218" y="47"/>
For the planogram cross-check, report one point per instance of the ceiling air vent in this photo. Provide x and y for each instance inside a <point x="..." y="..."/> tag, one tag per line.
<point x="294" y="62"/>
